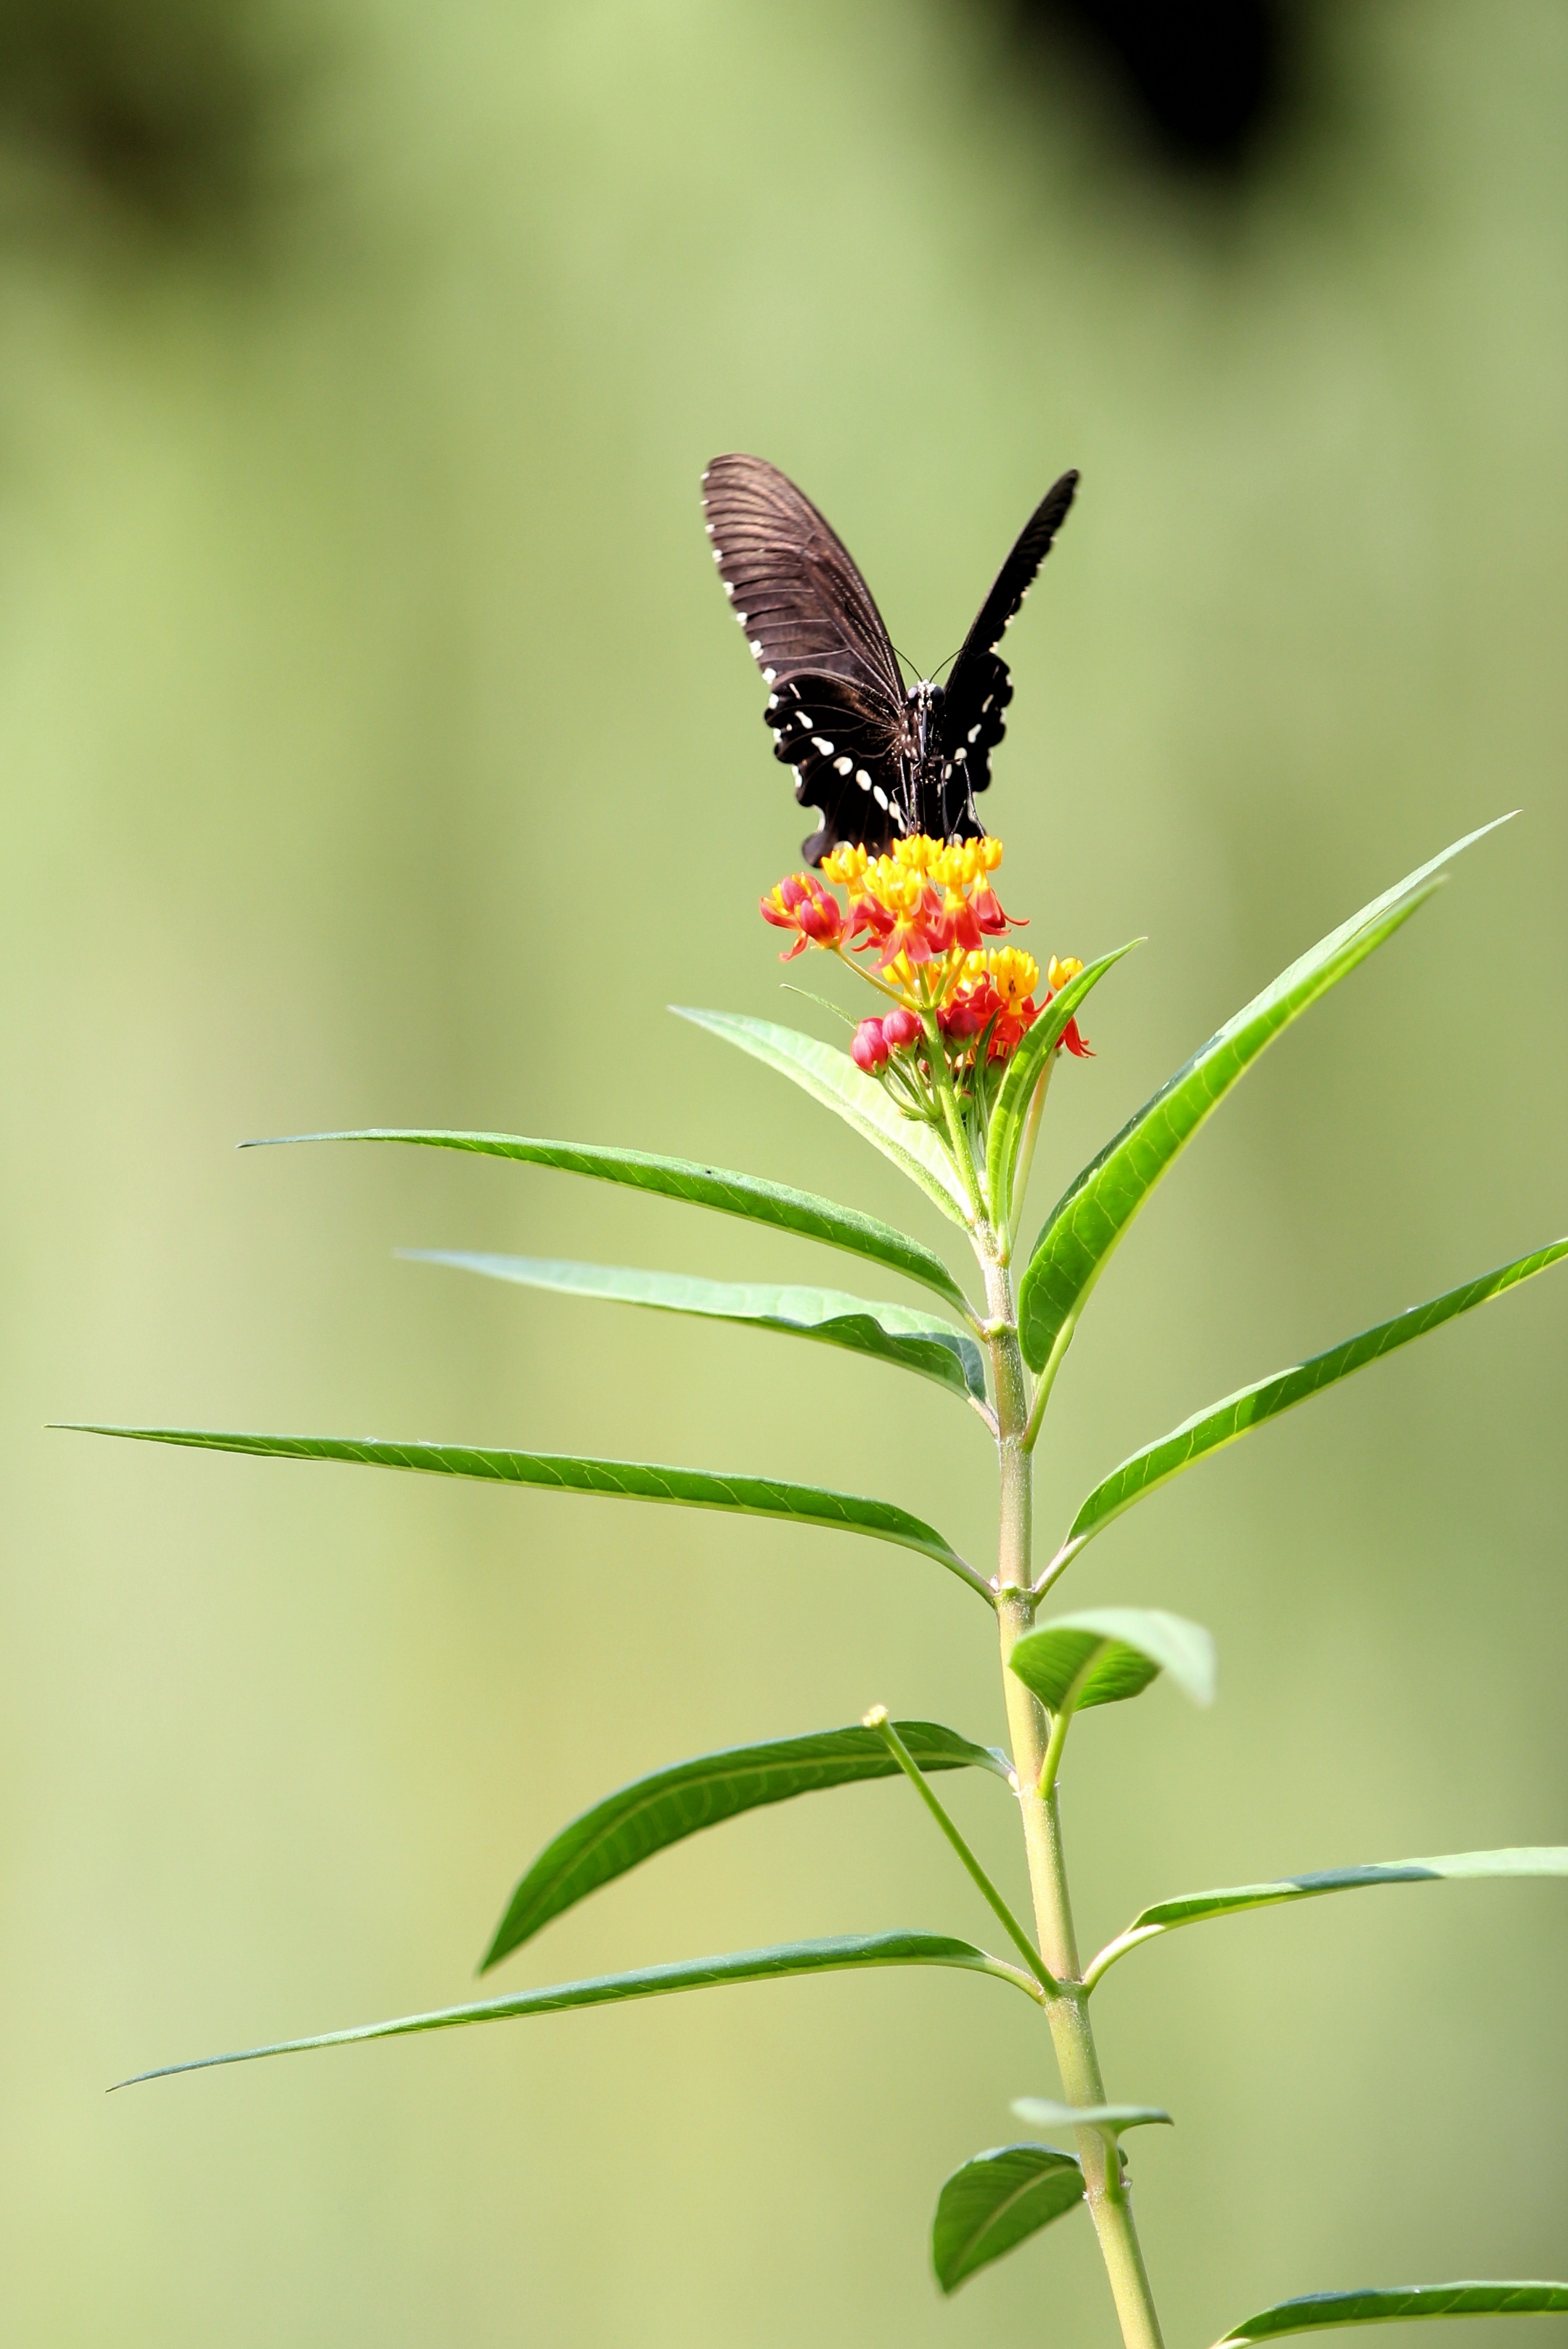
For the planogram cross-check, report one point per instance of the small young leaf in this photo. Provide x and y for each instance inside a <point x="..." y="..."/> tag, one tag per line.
<point x="1134" y="1644"/>
<point x="832" y="1078"/>
<point x="1231" y="1901"/>
<point x="621" y="1480"/>
<point x="1040" y="2112"/>
<point x="1222" y="1422"/>
<point x="1089" y="1220"/>
<point x="1010" y="1111"/>
<point x="1318" y="2310"/>
<point x="997" y="2201"/>
<point x="836" y="1956"/>
<point x="889" y="1333"/>
<point x="661" y="1809"/>
<point x="774" y="1203"/>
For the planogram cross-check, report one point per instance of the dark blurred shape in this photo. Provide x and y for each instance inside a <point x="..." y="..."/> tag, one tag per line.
<point x="1208" y="79"/>
<point x="162" y="106"/>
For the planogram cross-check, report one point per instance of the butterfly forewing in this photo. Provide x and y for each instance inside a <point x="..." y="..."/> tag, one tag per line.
<point x="796" y="591"/>
<point x="980" y="688"/>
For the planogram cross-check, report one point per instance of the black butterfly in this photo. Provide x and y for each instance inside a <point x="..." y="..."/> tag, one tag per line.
<point x="878" y="762"/>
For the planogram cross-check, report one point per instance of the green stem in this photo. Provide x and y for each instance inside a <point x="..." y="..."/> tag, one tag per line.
<point x="877" y="1719"/>
<point x="1027" y="1151"/>
<point x="1063" y="1720"/>
<point x="958" y="1137"/>
<point x="1105" y="2185"/>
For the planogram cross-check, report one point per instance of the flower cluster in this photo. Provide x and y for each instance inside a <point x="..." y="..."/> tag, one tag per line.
<point x="921" y="915"/>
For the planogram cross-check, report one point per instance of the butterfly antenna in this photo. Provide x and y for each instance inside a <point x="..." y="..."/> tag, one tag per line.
<point x="904" y="657"/>
<point x="953" y="655"/>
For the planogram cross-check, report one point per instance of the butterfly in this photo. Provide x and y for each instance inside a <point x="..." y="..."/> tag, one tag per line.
<point x="876" y="761"/>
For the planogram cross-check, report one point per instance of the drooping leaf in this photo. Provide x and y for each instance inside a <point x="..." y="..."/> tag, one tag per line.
<point x="1010" y="1110"/>
<point x="1230" y="1901"/>
<point x="1222" y="1423"/>
<point x="832" y="1078"/>
<point x="836" y="1956"/>
<point x="1089" y="1220"/>
<point x="997" y="2201"/>
<point x="1318" y="2310"/>
<point x="653" y="1812"/>
<point x="561" y="1472"/>
<point x="774" y="1203"/>
<point x="890" y="1333"/>
<point x="1040" y="2112"/>
<point x="1133" y="1645"/>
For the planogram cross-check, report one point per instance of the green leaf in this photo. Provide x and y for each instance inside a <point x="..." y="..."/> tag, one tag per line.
<point x="1210" y="1429"/>
<point x="1088" y="1221"/>
<point x="1316" y="2311"/>
<point x="655" y="1812"/>
<point x="1193" y="1907"/>
<point x="837" y="1956"/>
<point x="1041" y="2113"/>
<point x="832" y="1078"/>
<point x="775" y="1204"/>
<point x="1010" y="1110"/>
<point x="1132" y="1644"/>
<point x="561" y="1472"/>
<point x="889" y="1333"/>
<point x="997" y="2201"/>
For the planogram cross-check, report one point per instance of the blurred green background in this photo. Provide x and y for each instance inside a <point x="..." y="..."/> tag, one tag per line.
<point x="376" y="747"/>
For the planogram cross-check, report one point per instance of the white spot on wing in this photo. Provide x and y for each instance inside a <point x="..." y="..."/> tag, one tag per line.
<point x="879" y="796"/>
<point x="823" y="745"/>
<point x="843" y="765"/>
<point x="757" y="647"/>
<point x="864" y="779"/>
<point x="769" y="674"/>
<point x="973" y="735"/>
<point x="959" y="757"/>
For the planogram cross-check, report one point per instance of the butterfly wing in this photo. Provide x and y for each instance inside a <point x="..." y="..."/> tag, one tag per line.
<point x="835" y="694"/>
<point x="980" y="688"/>
<point x="836" y="742"/>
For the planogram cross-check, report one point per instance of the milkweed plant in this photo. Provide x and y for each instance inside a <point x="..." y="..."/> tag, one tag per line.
<point x="948" y="1077"/>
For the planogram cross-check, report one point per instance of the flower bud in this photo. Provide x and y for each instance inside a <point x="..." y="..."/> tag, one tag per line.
<point x="900" y="1027"/>
<point x="868" y="1048"/>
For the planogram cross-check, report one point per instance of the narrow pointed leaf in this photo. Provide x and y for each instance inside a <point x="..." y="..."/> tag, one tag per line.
<point x="996" y="2201"/>
<point x="911" y="1341"/>
<point x="561" y="1472"/>
<point x="846" y="1951"/>
<point x="1040" y="2112"/>
<point x="1010" y="1110"/>
<point x="1222" y="1422"/>
<point x="1230" y="1901"/>
<point x="775" y="1204"/>
<point x="1318" y="2310"/>
<point x="629" y="1826"/>
<point x="1089" y="1220"/>
<point x="1138" y="1643"/>
<point x="832" y="1078"/>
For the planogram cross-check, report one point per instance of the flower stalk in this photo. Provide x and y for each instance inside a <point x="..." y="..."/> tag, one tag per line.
<point x="960" y="1009"/>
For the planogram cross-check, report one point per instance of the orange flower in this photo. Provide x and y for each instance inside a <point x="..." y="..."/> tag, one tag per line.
<point x="801" y="904"/>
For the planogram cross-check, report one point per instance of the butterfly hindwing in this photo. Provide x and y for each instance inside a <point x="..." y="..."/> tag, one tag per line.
<point x="837" y="742"/>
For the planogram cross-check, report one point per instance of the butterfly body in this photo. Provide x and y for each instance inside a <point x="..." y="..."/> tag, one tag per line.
<point x="878" y="759"/>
